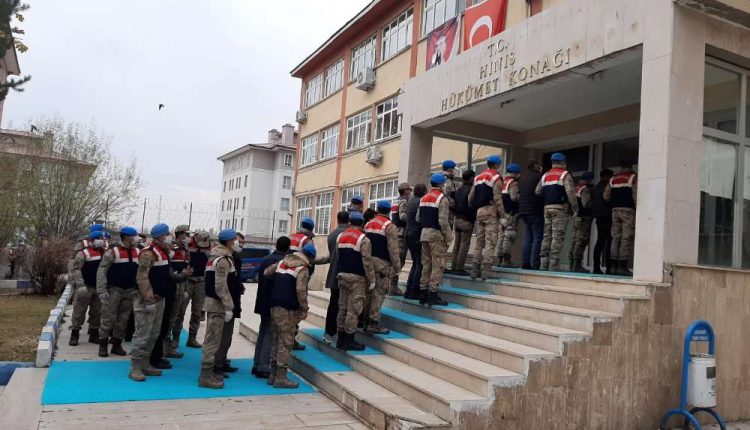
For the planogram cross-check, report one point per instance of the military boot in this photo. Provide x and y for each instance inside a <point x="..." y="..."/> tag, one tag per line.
<point x="272" y="372"/>
<point x="351" y="344"/>
<point x="117" y="347"/>
<point x="282" y="379"/>
<point x="135" y="371"/>
<point x="192" y="342"/>
<point x="298" y="346"/>
<point x="173" y="353"/>
<point x="147" y="369"/>
<point x="374" y="327"/>
<point x="103" y="346"/>
<point x="219" y="373"/>
<point x="475" y="269"/>
<point x="554" y="264"/>
<point x="576" y="266"/>
<point x="621" y="268"/>
<point x="486" y="272"/>
<point x="610" y="267"/>
<point x="508" y="263"/>
<point x="544" y="264"/>
<point x="74" y="337"/>
<point x="433" y="299"/>
<point x="207" y="380"/>
<point x="422" y="296"/>
<point x="94" y="336"/>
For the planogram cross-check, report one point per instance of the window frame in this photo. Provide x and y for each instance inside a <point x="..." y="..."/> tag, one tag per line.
<point x="314" y="90"/>
<point x="380" y="119"/>
<point x="289" y="157"/>
<point x="301" y="210"/>
<point x="386" y="50"/>
<point x="374" y="199"/>
<point x="288" y="204"/>
<point x="428" y="5"/>
<point x="283" y="180"/>
<point x="332" y="84"/>
<point x="347" y="194"/>
<point x="323" y="212"/>
<point x="309" y="147"/>
<point x="358" y="60"/>
<point x="329" y="142"/>
<point x="352" y="129"/>
<point x="285" y="229"/>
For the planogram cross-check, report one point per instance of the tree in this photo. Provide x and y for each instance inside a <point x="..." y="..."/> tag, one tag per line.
<point x="10" y="9"/>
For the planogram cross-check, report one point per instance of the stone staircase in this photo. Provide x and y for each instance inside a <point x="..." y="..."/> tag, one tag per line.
<point x="439" y="363"/>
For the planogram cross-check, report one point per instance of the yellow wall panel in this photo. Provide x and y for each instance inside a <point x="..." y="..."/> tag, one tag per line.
<point x="390" y="76"/>
<point x="322" y="114"/>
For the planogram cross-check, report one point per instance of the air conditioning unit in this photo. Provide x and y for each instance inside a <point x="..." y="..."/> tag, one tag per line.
<point x="366" y="79"/>
<point x="374" y="155"/>
<point x="301" y="116"/>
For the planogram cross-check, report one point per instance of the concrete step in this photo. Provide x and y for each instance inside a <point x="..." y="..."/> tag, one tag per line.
<point x="542" y="336"/>
<point x="380" y="407"/>
<point x="499" y="352"/>
<point x="466" y="372"/>
<point x="622" y="284"/>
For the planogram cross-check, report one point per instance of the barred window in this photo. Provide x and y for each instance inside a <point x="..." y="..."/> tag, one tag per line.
<point x="397" y="34"/>
<point x="284" y="206"/>
<point x="437" y="12"/>
<point x="283" y="226"/>
<point x="387" y="190"/>
<point x="288" y="160"/>
<point x="304" y="207"/>
<point x="334" y="77"/>
<point x="329" y="142"/>
<point x="313" y="91"/>
<point x="363" y="56"/>
<point x="309" y="149"/>
<point x="286" y="182"/>
<point x="358" y="128"/>
<point x="323" y="210"/>
<point x="388" y="121"/>
<point x="348" y="193"/>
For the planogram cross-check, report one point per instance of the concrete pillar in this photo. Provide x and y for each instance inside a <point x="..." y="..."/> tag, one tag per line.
<point x="415" y="156"/>
<point x="671" y="147"/>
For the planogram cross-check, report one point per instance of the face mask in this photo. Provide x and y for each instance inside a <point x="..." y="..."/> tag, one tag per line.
<point x="236" y="248"/>
<point x="168" y="240"/>
<point x="186" y="242"/>
<point x="98" y="243"/>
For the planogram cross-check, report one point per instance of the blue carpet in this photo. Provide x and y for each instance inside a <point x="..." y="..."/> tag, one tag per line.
<point x="464" y="291"/>
<point x="318" y="334"/>
<point x="404" y="316"/>
<point x="537" y="272"/>
<point x="107" y="381"/>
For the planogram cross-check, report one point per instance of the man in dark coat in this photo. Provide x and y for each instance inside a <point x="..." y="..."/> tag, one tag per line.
<point x="262" y="356"/>
<point x="413" y="235"/>
<point x="342" y="218"/>
<point x="531" y="211"/>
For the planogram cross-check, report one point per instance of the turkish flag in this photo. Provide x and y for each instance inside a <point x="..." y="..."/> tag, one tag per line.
<point x="483" y="21"/>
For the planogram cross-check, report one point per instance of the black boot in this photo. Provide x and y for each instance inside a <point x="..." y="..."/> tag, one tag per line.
<point x="352" y="344"/>
<point x="508" y="263"/>
<point x="433" y="299"/>
<point x="340" y="340"/>
<point x="611" y="266"/>
<point x="423" y="297"/>
<point x="74" y="333"/>
<point x="117" y="347"/>
<point x="94" y="336"/>
<point x="576" y="266"/>
<point x="103" y="345"/>
<point x="298" y="346"/>
<point x="622" y="268"/>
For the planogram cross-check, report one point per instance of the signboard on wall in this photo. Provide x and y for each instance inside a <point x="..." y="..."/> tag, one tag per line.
<point x="442" y="43"/>
<point x="483" y="21"/>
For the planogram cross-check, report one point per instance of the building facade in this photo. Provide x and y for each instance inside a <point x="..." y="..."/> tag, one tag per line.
<point x="257" y="181"/>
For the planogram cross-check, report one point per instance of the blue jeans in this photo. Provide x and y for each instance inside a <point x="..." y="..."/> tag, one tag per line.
<point x="532" y="243"/>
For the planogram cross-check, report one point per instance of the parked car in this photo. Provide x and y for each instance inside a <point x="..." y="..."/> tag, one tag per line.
<point x="252" y="256"/>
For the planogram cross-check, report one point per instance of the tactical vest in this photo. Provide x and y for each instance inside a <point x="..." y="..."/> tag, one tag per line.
<point x="395" y="219"/>
<point x="582" y="211"/>
<point x="428" y="209"/>
<point x="92" y="259"/>
<point x="159" y="277"/>
<point x="284" y="292"/>
<point x="349" y="246"/>
<point x="509" y="205"/>
<point x="375" y="231"/>
<point x="484" y="183"/>
<point x="210" y="275"/>
<point x="621" y="190"/>
<point x="298" y="240"/>
<point x="180" y="259"/>
<point x="553" y="186"/>
<point x="122" y="272"/>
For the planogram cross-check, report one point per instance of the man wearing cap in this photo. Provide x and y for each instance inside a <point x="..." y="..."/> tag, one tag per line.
<point x="486" y="198"/>
<point x="436" y="235"/>
<point x="413" y="242"/>
<point x="509" y="222"/>
<point x="357" y="204"/>
<point x="220" y="273"/>
<point x="582" y="222"/>
<point x="559" y="193"/>
<point x="288" y="307"/>
<point x="449" y="188"/>
<point x="236" y="289"/>
<point x="179" y="260"/>
<point x="622" y="196"/>
<point x="355" y="274"/>
<point x="383" y="236"/>
<point x="83" y="272"/>
<point x="116" y="288"/>
<point x="332" y="282"/>
<point x="195" y="290"/>
<point x="155" y="281"/>
<point x="463" y="225"/>
<point x="398" y="218"/>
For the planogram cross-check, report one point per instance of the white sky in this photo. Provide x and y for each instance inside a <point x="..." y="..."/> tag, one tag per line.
<point x="221" y="67"/>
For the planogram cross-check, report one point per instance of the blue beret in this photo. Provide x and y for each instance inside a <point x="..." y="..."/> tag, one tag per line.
<point x="228" y="234"/>
<point x="309" y="249"/>
<point x="588" y="176"/>
<point x="159" y="230"/>
<point x="356" y="216"/>
<point x="98" y="234"/>
<point x="128" y="231"/>
<point x="557" y="157"/>
<point x="449" y="164"/>
<point x="384" y="204"/>
<point x="495" y="159"/>
<point x="96" y="227"/>
<point x="514" y="168"/>
<point x="437" y="178"/>
<point x="358" y="199"/>
<point x="308" y="221"/>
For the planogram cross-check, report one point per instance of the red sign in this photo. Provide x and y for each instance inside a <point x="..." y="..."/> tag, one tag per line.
<point x="483" y="21"/>
<point x="442" y="43"/>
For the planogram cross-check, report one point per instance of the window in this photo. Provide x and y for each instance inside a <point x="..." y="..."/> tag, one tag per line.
<point x="231" y="184"/>
<point x="348" y="193"/>
<point x="288" y="160"/>
<point x="304" y="207"/>
<point x="222" y="205"/>
<point x="363" y="56"/>
<point x="397" y="34"/>
<point x="436" y="12"/>
<point x="334" y="77"/>
<point x="313" y="90"/>
<point x="323" y="209"/>
<point x="358" y="130"/>
<point x="284" y="205"/>
<point x="245" y="181"/>
<point x="239" y="182"/>
<point x="309" y="147"/>
<point x="283" y="226"/>
<point x="286" y="182"/>
<point x="221" y="224"/>
<point x="225" y="187"/>
<point x="243" y="202"/>
<point x="382" y="191"/>
<point x="236" y="202"/>
<point x="388" y="122"/>
<point x="329" y="142"/>
<point x="242" y="223"/>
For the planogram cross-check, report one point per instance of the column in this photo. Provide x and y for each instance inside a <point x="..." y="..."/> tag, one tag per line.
<point x="415" y="155"/>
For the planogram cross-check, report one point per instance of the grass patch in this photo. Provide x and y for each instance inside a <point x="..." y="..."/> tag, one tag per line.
<point x="21" y="322"/>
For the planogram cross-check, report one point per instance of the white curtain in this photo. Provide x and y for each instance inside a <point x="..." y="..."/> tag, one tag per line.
<point x="719" y="169"/>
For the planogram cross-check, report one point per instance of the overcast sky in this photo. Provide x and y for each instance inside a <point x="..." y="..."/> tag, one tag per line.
<point x="221" y="67"/>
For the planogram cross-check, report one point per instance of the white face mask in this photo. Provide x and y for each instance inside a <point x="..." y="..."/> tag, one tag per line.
<point x="98" y="243"/>
<point x="168" y="240"/>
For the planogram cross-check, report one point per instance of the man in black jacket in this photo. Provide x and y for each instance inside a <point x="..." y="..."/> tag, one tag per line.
<point x="413" y="235"/>
<point x="463" y="225"/>
<point x="262" y="357"/>
<point x="602" y="213"/>
<point x="332" y="283"/>
<point x="531" y="210"/>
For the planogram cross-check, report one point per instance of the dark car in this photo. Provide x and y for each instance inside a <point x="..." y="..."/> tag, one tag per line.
<point x="251" y="258"/>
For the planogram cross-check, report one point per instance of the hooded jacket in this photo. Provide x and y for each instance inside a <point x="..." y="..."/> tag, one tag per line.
<point x="222" y="263"/>
<point x="290" y="278"/>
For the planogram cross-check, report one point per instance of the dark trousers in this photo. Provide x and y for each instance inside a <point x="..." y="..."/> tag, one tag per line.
<point x="158" y="352"/>
<point x="262" y="356"/>
<point x="415" y="274"/>
<point x="603" y="240"/>
<point x="220" y="357"/>
<point x="332" y="313"/>
<point x="532" y="242"/>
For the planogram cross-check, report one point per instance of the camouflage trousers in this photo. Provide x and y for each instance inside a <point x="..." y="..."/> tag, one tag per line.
<point x="507" y="232"/>
<point x="147" y="327"/>
<point x="351" y="301"/>
<point x="402" y="248"/>
<point x="284" y="327"/>
<point x="555" y="223"/>
<point x="116" y="312"/>
<point x="375" y="297"/>
<point x="212" y="339"/>
<point x="484" y="248"/>
<point x="86" y="299"/>
<point x="581" y="236"/>
<point x="172" y="339"/>
<point x="462" y="230"/>
<point x="434" y="254"/>
<point x="623" y="233"/>
<point x="195" y="295"/>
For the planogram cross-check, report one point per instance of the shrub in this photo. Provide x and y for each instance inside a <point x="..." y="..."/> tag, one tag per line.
<point x="46" y="260"/>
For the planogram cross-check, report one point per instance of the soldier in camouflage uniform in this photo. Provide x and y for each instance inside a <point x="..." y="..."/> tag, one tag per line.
<point x="356" y="274"/>
<point x="582" y="222"/>
<point x="486" y="198"/>
<point x="83" y="271"/>
<point x="621" y="193"/>
<point x="449" y="188"/>
<point x="179" y="260"/>
<point x="436" y="235"/>
<point x="116" y="287"/>
<point x="509" y="222"/>
<point x="558" y="190"/>
<point x="398" y="217"/>
<point x="383" y="236"/>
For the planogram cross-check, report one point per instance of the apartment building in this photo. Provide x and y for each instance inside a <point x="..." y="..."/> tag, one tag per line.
<point x="256" y="193"/>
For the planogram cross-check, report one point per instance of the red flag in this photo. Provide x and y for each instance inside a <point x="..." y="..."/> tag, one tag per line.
<point x="442" y="43"/>
<point x="483" y="21"/>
